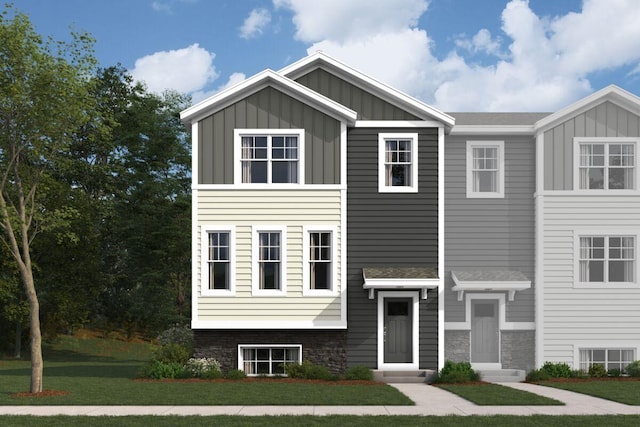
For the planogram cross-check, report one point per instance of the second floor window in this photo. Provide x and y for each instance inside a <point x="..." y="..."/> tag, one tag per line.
<point x="269" y="261"/>
<point x="607" y="259"/>
<point x="485" y="169"/>
<point x="320" y="260"/>
<point x="398" y="162"/>
<point x="270" y="159"/>
<point x="607" y="166"/>
<point x="218" y="260"/>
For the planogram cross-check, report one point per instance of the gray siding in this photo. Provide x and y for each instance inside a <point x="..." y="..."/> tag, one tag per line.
<point x="368" y="106"/>
<point x="490" y="233"/>
<point x="604" y="120"/>
<point x="269" y="109"/>
<point x="387" y="229"/>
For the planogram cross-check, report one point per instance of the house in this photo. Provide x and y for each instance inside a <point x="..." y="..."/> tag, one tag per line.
<point x="340" y="221"/>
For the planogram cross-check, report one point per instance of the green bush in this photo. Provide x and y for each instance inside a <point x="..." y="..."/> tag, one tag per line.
<point x="537" y="375"/>
<point x="158" y="370"/>
<point x="455" y="372"/>
<point x="557" y="370"/>
<point x="633" y="369"/>
<point x="172" y="353"/>
<point x="236" y="374"/>
<point x="614" y="372"/>
<point x="307" y="370"/>
<point x="577" y="373"/>
<point x="182" y="335"/>
<point x="358" y="372"/>
<point x="206" y="368"/>
<point x="597" y="370"/>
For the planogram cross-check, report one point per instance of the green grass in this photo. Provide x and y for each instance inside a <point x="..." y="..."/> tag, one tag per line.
<point x="331" y="420"/>
<point x="627" y="392"/>
<point x="101" y="372"/>
<point x="494" y="394"/>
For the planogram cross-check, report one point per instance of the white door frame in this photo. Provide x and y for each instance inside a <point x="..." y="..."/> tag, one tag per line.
<point x="415" y="297"/>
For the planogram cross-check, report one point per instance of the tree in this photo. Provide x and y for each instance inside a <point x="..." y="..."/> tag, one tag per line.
<point x="44" y="100"/>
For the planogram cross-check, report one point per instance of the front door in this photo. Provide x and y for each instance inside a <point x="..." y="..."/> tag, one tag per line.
<point x="484" y="331"/>
<point x="398" y="316"/>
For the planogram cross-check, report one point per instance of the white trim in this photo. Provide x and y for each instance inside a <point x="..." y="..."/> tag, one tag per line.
<point x="464" y="130"/>
<point x="398" y="124"/>
<point x="394" y="284"/>
<point x="413" y="188"/>
<point x="204" y="260"/>
<point x="469" y="167"/>
<point x="306" y="290"/>
<point x="594" y="194"/>
<point x="414" y="365"/>
<point x="606" y="141"/>
<point x="343" y="223"/>
<point x="603" y="345"/>
<point x="255" y="268"/>
<point x="478" y="285"/>
<point x="240" y="187"/>
<point x="268" y="324"/>
<point x="195" y="278"/>
<point x="441" y="246"/>
<point x="269" y="133"/>
<point x="503" y="324"/>
<point x="248" y="346"/>
<point x="539" y="253"/>
<point x="605" y="232"/>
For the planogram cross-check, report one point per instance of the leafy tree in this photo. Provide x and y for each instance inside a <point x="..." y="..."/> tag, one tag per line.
<point x="44" y="99"/>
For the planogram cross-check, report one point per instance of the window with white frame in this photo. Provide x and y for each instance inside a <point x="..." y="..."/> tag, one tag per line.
<point x="267" y="359"/>
<point x="606" y="165"/>
<point x="485" y="169"/>
<point x="318" y="260"/>
<point x="269" y="157"/>
<point x="607" y="259"/>
<point x="269" y="260"/>
<point x="610" y="358"/>
<point x="218" y="259"/>
<point x="398" y="162"/>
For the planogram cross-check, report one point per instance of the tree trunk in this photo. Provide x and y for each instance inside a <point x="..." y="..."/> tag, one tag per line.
<point x="35" y="335"/>
<point x="18" y="348"/>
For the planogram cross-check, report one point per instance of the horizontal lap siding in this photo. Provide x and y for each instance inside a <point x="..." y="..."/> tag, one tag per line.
<point x="386" y="229"/>
<point x="490" y="233"/>
<point x="291" y="208"/>
<point x="576" y="315"/>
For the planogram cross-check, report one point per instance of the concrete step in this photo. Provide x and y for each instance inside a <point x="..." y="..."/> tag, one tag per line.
<point x="403" y="377"/>
<point x="502" y="375"/>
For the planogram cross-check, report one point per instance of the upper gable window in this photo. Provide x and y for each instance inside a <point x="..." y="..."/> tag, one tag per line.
<point x="485" y="169"/>
<point x="606" y="163"/>
<point x="398" y="162"/>
<point x="269" y="156"/>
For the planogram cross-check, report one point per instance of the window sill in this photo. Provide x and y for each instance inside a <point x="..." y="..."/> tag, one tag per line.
<point x="217" y="293"/>
<point x="605" y="285"/>
<point x="485" y="195"/>
<point x="268" y="293"/>
<point x="397" y="189"/>
<point x="319" y="293"/>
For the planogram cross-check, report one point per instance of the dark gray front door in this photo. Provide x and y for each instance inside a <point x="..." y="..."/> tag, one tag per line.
<point x="484" y="331"/>
<point x="398" y="346"/>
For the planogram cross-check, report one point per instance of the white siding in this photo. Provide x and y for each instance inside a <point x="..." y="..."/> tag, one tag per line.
<point x="292" y="209"/>
<point x="576" y="317"/>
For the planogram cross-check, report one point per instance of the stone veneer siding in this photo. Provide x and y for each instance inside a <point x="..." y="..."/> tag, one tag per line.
<point x="518" y="350"/>
<point x="320" y="347"/>
<point x="456" y="346"/>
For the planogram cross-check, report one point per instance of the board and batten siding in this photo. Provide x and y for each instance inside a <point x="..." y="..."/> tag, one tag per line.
<point x="291" y="208"/>
<point x="389" y="229"/>
<point x="268" y="109"/>
<point x="368" y="106"/>
<point x="490" y="233"/>
<point x="579" y="317"/>
<point x="604" y="120"/>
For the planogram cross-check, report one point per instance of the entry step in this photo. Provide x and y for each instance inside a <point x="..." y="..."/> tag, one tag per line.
<point x="502" y="375"/>
<point x="416" y="376"/>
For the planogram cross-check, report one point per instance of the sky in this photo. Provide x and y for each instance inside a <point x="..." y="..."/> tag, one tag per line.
<point x="455" y="55"/>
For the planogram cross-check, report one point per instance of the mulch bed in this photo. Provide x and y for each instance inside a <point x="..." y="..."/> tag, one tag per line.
<point x="588" y="380"/>
<point x="44" y="393"/>
<point x="268" y="380"/>
<point x="465" y="383"/>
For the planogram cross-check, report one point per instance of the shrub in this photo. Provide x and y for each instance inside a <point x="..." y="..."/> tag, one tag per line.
<point x="537" y="375"/>
<point x="577" y="373"/>
<point x="236" y="374"/>
<point x="455" y="372"/>
<point x="182" y="335"/>
<point x="307" y="370"/>
<point x="207" y="368"/>
<point x="597" y="370"/>
<point x="557" y="370"/>
<point x="633" y="369"/>
<point x="172" y="353"/>
<point x="614" y="372"/>
<point x="160" y="370"/>
<point x="358" y="372"/>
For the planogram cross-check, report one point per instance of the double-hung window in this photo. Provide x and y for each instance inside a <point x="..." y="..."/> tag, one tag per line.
<point x="607" y="259"/>
<point x="485" y="169"/>
<point x="269" y="260"/>
<point x="398" y="162"/>
<point x="218" y="260"/>
<point x="269" y="156"/>
<point x="606" y="163"/>
<point x="318" y="260"/>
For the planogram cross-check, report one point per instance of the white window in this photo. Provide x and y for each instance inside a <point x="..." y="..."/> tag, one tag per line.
<point x="269" y="260"/>
<point x="398" y="162"/>
<point x="606" y="164"/>
<point x="268" y="156"/>
<point x="610" y="358"/>
<point x="485" y="169"/>
<point x="218" y="260"/>
<point x="267" y="359"/>
<point x="319" y="268"/>
<point x="607" y="259"/>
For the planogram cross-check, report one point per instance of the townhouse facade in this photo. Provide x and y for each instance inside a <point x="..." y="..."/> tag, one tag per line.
<point x="340" y="221"/>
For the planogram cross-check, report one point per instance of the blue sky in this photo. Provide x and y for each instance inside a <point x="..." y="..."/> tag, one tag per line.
<point x="457" y="55"/>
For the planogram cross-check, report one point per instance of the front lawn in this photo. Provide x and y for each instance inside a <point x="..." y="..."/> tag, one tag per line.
<point x="623" y="390"/>
<point x="495" y="394"/>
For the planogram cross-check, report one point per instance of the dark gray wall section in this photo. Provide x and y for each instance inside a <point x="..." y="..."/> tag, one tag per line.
<point x="368" y="106"/>
<point x="269" y="109"/>
<point x="387" y="229"/>
<point x="490" y="233"/>
<point x="604" y="120"/>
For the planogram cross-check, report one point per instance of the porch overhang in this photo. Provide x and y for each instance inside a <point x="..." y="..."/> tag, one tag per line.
<point x="510" y="281"/>
<point x="400" y="278"/>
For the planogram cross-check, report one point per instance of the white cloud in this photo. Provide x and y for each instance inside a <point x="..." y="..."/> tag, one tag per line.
<point x="255" y="23"/>
<point x="185" y="70"/>
<point x="162" y="7"/>
<point x="482" y="41"/>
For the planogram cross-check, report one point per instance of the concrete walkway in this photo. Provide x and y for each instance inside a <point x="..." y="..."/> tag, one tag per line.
<point x="429" y="401"/>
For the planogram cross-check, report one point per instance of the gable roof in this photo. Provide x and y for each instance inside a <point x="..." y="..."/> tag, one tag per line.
<point x="369" y="84"/>
<point x="267" y="78"/>
<point x="611" y="93"/>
